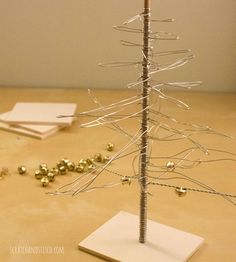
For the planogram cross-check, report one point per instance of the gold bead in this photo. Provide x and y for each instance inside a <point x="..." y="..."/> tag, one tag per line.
<point x="79" y="168"/>
<point x="21" y="170"/>
<point x="44" y="181"/>
<point x="110" y="147"/>
<point x="71" y="166"/>
<point x="62" y="170"/>
<point x="125" y="180"/>
<point x="55" y="171"/>
<point x="38" y="174"/>
<point x="50" y="176"/>
<point x="170" y="165"/>
<point x="98" y="157"/>
<point x="181" y="191"/>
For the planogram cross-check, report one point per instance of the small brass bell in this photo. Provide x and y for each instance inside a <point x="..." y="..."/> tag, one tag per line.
<point x="125" y="180"/>
<point x="21" y="170"/>
<point x="89" y="161"/>
<point x="38" y="174"/>
<point x="170" y="165"/>
<point x="110" y="147"/>
<point x="3" y="172"/>
<point x="44" y="181"/>
<point x="43" y="169"/>
<point x="55" y="171"/>
<point x="91" y="167"/>
<point x="83" y="162"/>
<point x="71" y="166"/>
<point x="50" y="176"/>
<point x="59" y="164"/>
<point x="79" y="168"/>
<point x="65" y="161"/>
<point x="98" y="157"/>
<point x="43" y="165"/>
<point x="107" y="158"/>
<point x="62" y="170"/>
<point x="181" y="191"/>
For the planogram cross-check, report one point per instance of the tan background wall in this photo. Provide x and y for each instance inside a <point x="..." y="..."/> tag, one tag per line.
<point x="58" y="43"/>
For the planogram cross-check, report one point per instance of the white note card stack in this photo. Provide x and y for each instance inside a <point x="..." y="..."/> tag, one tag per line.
<point x="38" y="120"/>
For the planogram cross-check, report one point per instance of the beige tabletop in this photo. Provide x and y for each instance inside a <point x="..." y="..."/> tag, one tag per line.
<point x="31" y="218"/>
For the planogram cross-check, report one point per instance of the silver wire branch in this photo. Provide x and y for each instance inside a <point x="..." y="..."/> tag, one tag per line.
<point x="115" y="126"/>
<point x="102" y="120"/>
<point x="140" y="16"/>
<point x="172" y="52"/>
<point x="184" y="136"/>
<point x="176" y="101"/>
<point x="120" y="64"/>
<point x="178" y="63"/>
<point x="122" y="103"/>
<point x="192" y="149"/>
<point x="184" y="85"/>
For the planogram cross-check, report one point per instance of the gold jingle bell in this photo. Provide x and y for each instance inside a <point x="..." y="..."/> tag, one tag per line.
<point x="4" y="171"/>
<point x="91" y="167"/>
<point x="107" y="158"/>
<point x="181" y="191"/>
<point x="55" y="171"/>
<point x="43" y="165"/>
<point x="43" y="170"/>
<point x="79" y="168"/>
<point x="125" y="180"/>
<point x="59" y="164"/>
<point x="170" y="165"/>
<point x="98" y="157"/>
<point x="44" y="181"/>
<point x="83" y="162"/>
<point x="21" y="170"/>
<point x="89" y="161"/>
<point x="110" y="147"/>
<point x="38" y="174"/>
<point x="71" y="166"/>
<point x="65" y="161"/>
<point x="50" y="176"/>
<point x="62" y="170"/>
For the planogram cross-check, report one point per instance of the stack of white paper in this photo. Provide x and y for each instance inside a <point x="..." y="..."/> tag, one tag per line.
<point x="38" y="120"/>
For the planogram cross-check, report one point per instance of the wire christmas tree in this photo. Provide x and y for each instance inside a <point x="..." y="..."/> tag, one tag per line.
<point x="153" y="126"/>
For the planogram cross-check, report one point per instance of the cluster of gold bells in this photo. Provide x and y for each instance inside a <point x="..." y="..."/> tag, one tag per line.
<point x="63" y="166"/>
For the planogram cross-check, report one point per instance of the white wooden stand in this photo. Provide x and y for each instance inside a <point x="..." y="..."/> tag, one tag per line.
<point x="117" y="240"/>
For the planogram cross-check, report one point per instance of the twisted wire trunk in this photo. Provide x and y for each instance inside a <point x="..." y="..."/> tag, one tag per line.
<point x="144" y="123"/>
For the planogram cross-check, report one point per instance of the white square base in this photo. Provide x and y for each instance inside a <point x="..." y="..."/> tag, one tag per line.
<point x="117" y="240"/>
